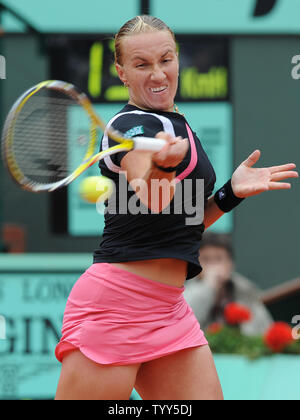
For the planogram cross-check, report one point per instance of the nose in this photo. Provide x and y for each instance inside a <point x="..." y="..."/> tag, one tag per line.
<point x="157" y="74"/>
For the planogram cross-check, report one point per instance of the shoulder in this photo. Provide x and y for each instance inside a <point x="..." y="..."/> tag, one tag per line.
<point x="129" y="118"/>
<point x="134" y="121"/>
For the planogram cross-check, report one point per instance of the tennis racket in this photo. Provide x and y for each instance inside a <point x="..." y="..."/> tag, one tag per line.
<point x="40" y="131"/>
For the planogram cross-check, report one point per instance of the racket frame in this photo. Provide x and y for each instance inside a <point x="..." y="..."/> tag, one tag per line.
<point x="125" y="144"/>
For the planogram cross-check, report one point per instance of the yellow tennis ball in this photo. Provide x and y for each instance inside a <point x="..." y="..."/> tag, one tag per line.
<point x="95" y="188"/>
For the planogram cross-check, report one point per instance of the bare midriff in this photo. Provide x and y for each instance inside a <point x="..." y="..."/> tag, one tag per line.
<point x="166" y="270"/>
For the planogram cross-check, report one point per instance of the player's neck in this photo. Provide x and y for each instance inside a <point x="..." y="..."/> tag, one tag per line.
<point x="131" y="102"/>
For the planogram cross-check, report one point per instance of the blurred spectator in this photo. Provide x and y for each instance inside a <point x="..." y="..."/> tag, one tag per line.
<point x="218" y="284"/>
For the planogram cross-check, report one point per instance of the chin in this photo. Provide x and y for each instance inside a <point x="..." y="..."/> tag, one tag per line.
<point x="163" y="107"/>
<point x="162" y="104"/>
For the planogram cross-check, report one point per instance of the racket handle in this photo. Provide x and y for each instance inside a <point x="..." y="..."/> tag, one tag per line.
<point x="148" y="143"/>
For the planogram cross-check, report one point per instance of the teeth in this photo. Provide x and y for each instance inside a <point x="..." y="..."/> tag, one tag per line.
<point x="159" y="89"/>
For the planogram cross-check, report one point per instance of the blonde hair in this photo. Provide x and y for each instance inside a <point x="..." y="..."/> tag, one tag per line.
<point x="137" y="25"/>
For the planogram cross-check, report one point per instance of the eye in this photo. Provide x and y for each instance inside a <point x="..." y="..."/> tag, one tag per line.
<point x="141" y="65"/>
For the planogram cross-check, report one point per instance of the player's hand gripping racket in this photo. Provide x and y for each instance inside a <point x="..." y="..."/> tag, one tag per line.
<point x="44" y="126"/>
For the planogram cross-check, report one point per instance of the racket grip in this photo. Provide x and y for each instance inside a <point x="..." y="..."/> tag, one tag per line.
<point x="148" y="143"/>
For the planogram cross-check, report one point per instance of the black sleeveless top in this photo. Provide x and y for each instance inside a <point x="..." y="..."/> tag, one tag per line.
<point x="132" y="232"/>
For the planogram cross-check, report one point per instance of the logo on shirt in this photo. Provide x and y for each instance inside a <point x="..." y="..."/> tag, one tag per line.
<point x="222" y="194"/>
<point x="135" y="131"/>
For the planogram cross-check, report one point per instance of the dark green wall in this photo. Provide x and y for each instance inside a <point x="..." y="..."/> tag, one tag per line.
<point x="266" y="116"/>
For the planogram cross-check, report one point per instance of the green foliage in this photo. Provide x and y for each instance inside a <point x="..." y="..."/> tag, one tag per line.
<point x="229" y="340"/>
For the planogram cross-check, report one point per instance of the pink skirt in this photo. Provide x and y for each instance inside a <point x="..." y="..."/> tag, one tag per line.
<point x="115" y="317"/>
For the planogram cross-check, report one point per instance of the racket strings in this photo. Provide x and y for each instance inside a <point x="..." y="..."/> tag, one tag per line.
<point x="44" y="133"/>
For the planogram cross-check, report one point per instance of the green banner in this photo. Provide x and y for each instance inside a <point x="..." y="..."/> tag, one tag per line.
<point x="32" y="303"/>
<point x="213" y="124"/>
<point x="83" y="217"/>
<point x="92" y="16"/>
<point x="191" y="16"/>
<point x="31" y="309"/>
<point x="230" y="16"/>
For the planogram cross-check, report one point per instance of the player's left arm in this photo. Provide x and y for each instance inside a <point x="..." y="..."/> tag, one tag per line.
<point x="247" y="181"/>
<point x="212" y="213"/>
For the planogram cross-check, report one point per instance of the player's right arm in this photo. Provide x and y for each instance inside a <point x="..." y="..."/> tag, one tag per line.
<point x="145" y="177"/>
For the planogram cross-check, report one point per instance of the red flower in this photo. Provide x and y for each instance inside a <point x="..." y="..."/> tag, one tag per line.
<point x="278" y="336"/>
<point x="236" y="314"/>
<point x="214" y="328"/>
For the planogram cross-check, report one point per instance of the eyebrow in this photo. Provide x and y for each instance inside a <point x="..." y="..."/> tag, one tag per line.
<point x="166" y="53"/>
<point x="144" y="59"/>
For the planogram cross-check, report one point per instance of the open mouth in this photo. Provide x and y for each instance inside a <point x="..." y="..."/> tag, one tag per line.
<point x="159" y="89"/>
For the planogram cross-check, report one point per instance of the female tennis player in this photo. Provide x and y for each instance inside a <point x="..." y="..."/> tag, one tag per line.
<point x="126" y="323"/>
